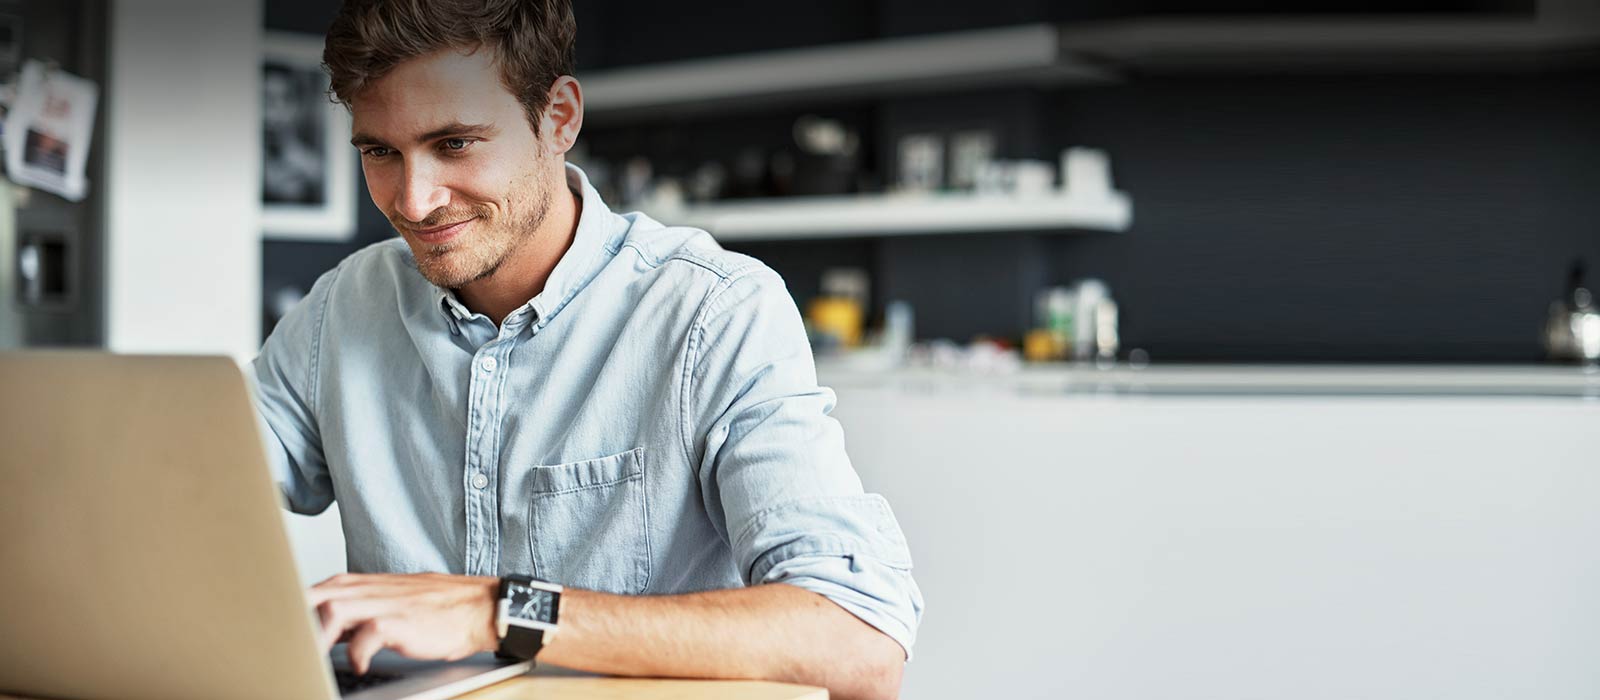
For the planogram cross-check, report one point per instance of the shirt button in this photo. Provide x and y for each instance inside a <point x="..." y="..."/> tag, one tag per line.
<point x="488" y="364"/>
<point x="479" y="480"/>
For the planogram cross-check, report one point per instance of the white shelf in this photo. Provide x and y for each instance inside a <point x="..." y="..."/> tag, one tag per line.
<point x="1092" y="52"/>
<point x="1348" y="42"/>
<point x="899" y="214"/>
<point x="1019" y="54"/>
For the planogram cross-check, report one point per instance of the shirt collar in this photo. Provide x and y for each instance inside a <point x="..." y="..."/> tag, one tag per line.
<point x="597" y="239"/>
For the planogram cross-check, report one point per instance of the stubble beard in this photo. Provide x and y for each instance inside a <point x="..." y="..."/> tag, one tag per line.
<point x="479" y="253"/>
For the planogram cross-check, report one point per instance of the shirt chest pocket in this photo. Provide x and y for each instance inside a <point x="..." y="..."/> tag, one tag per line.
<point x="586" y="523"/>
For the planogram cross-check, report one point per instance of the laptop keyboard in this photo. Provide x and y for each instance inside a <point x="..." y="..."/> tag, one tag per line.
<point x="349" y="682"/>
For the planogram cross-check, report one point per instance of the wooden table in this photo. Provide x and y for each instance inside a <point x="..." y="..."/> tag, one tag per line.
<point x="539" y="687"/>
<point x="574" y="687"/>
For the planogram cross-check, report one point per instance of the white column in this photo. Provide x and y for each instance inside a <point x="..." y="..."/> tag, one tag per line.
<point x="183" y="145"/>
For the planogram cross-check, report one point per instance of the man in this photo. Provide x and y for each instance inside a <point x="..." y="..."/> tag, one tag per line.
<point x="526" y="383"/>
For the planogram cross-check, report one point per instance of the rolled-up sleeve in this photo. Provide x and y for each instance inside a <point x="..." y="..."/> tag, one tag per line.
<point x="283" y="379"/>
<point x="772" y="464"/>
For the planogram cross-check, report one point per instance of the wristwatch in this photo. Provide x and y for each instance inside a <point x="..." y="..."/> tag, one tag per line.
<point x="527" y="615"/>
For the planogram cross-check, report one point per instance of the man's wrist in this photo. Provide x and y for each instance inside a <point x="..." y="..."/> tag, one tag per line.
<point x="571" y="605"/>
<point x="489" y="639"/>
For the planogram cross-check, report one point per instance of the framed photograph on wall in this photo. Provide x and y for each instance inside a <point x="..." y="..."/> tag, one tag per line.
<point x="308" y="168"/>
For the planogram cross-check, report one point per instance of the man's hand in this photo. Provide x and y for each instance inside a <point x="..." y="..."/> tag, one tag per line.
<point x="423" y="616"/>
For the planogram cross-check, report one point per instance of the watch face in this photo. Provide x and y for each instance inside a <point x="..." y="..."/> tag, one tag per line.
<point x="530" y="603"/>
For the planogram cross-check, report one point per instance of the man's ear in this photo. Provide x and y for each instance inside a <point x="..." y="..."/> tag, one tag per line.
<point x="563" y="116"/>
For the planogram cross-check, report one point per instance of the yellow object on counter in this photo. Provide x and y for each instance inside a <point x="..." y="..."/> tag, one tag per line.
<point x="1045" y="345"/>
<point x="837" y="317"/>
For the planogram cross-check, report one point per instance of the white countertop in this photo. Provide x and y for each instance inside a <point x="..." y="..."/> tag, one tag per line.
<point x="1243" y="379"/>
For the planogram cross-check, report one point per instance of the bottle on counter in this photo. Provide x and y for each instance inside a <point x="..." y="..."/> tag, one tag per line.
<point x="1106" y="340"/>
<point x="1053" y="326"/>
<point x="837" y="317"/>
<point x="1572" y="329"/>
<point x="1089" y="294"/>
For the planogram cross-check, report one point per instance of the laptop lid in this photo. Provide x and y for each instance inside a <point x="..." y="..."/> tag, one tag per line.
<point x="142" y="546"/>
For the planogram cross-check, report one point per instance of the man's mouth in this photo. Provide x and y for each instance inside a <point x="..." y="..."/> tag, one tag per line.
<point x="441" y="234"/>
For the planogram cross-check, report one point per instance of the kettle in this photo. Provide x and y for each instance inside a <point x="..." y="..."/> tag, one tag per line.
<point x="1572" y="331"/>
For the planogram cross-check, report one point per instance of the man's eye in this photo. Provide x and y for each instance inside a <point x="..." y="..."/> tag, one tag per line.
<point x="375" y="152"/>
<point x="455" y="144"/>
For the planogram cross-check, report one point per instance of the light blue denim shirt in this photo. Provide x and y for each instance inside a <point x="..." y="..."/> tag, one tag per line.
<point x="649" y="423"/>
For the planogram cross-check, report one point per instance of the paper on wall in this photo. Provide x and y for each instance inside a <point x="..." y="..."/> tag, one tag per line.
<point x="48" y="129"/>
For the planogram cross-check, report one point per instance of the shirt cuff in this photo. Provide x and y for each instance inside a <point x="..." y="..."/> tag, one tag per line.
<point x="880" y="595"/>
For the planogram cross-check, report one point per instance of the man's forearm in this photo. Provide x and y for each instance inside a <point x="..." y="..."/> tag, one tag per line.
<point x="771" y="632"/>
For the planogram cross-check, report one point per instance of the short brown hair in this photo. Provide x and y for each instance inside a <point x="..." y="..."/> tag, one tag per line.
<point x="534" y="42"/>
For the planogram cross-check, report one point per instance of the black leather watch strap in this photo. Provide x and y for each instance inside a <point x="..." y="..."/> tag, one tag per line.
<point x="520" y="643"/>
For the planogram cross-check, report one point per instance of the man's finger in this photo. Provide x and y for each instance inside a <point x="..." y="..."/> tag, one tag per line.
<point x="361" y="586"/>
<point x="340" y="580"/>
<point x="364" y="643"/>
<point x="337" y="586"/>
<point x="344" y="615"/>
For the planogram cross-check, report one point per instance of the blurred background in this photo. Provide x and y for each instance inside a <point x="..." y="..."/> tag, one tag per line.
<point x="1205" y="348"/>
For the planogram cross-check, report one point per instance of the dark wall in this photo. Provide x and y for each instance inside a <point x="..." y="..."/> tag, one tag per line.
<point x="1289" y="218"/>
<point x="1399" y="218"/>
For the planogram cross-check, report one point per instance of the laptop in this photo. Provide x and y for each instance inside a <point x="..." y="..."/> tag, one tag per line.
<point x="142" y="550"/>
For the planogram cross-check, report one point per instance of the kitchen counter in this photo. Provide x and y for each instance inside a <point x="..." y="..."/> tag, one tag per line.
<point x="1220" y="531"/>
<point x="1226" y="380"/>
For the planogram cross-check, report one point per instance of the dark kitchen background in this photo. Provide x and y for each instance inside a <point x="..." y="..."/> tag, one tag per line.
<point x="1392" y="204"/>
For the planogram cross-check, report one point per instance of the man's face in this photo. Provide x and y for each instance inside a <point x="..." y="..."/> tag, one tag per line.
<point x="452" y="161"/>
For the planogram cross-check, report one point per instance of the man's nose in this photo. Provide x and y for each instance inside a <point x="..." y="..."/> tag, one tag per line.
<point x="420" y="193"/>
